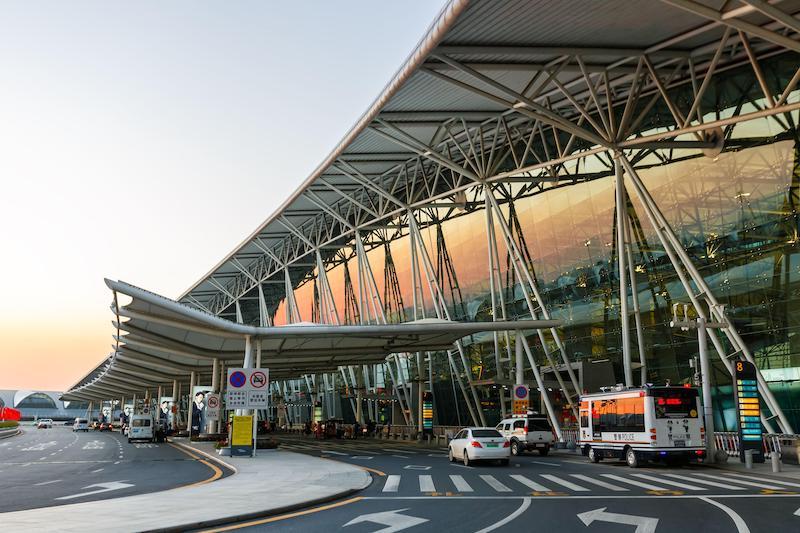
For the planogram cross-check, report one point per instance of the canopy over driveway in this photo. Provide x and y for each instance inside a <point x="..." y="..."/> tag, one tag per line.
<point x="159" y="340"/>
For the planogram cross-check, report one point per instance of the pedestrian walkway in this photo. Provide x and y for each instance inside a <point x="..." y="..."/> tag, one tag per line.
<point x="634" y="483"/>
<point x="274" y="481"/>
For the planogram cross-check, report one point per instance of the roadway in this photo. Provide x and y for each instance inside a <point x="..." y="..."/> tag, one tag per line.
<point x="46" y="467"/>
<point x="416" y="488"/>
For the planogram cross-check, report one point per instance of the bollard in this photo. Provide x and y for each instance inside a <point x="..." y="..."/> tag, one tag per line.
<point x="775" y="457"/>
<point x="748" y="459"/>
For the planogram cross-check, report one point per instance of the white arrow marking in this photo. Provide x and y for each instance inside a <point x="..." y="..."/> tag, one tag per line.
<point x="797" y="512"/>
<point x="104" y="487"/>
<point x="94" y="445"/>
<point x="393" y="519"/>
<point x="39" y="447"/>
<point x="644" y="524"/>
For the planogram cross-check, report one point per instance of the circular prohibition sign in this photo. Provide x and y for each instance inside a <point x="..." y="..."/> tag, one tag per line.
<point x="521" y="392"/>
<point x="213" y="402"/>
<point x="258" y="380"/>
<point x="238" y="379"/>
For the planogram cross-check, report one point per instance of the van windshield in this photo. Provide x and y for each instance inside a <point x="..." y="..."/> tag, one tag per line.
<point x="675" y="402"/>
<point x="141" y="422"/>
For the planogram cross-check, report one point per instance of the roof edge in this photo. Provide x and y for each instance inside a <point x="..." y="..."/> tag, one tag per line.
<point x="434" y="34"/>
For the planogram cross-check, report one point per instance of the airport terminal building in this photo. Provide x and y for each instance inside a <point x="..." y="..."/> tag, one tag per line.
<point x="589" y="166"/>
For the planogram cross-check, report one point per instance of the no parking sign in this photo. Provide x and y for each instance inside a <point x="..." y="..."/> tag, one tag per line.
<point x="520" y="399"/>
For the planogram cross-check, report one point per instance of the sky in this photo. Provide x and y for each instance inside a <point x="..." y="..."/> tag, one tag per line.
<point x="143" y="141"/>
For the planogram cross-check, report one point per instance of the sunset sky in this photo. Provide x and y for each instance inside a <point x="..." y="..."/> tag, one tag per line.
<point x="143" y="141"/>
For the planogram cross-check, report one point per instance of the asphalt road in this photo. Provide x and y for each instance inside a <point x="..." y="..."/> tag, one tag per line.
<point x="419" y="490"/>
<point x="45" y="467"/>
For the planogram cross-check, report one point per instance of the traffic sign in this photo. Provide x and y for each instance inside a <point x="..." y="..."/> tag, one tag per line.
<point x="258" y="380"/>
<point x="247" y="388"/>
<point x="213" y="405"/>
<point x="749" y="411"/>
<point x="519" y="404"/>
<point x="237" y="379"/>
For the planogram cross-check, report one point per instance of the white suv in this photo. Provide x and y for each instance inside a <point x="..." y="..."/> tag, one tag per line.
<point x="532" y="432"/>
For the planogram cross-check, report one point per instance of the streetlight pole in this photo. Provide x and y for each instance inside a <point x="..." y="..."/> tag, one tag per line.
<point x="701" y="325"/>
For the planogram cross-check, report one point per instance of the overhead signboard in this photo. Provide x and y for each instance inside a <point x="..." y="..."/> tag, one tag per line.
<point x="247" y="388"/>
<point x="748" y="411"/>
<point x="520" y="400"/>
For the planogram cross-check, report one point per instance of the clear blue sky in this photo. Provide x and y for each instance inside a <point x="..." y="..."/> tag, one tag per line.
<point x="143" y="140"/>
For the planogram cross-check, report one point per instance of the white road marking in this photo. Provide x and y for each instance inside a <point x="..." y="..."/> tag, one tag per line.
<point x="392" y="483"/>
<point x="364" y="457"/>
<point x="741" y="482"/>
<point x="599" y="483"/>
<point x="40" y="447"/>
<point x="460" y="484"/>
<point x="399" y="451"/>
<point x="393" y="519"/>
<point x="426" y="484"/>
<point x="416" y="467"/>
<point x="633" y="482"/>
<point x="565" y="483"/>
<point x="764" y="479"/>
<point x="98" y="470"/>
<point x="544" y="463"/>
<point x="46" y="482"/>
<point x="496" y="485"/>
<point x="116" y="462"/>
<point x="644" y="524"/>
<point x="686" y="486"/>
<point x="705" y="482"/>
<point x="526" y="502"/>
<point x="104" y="487"/>
<point x="530" y="484"/>
<point x="400" y="456"/>
<point x="94" y="445"/>
<point x="331" y="452"/>
<point x="741" y="526"/>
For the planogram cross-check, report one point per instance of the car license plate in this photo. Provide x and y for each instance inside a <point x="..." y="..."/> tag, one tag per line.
<point x="680" y="443"/>
<point x="491" y="445"/>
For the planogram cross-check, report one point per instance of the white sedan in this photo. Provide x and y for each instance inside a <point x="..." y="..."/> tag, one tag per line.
<point x="478" y="444"/>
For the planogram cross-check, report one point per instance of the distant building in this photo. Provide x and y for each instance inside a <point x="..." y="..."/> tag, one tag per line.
<point x="42" y="404"/>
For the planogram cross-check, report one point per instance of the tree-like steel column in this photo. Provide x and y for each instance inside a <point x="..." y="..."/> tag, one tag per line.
<point x="681" y="261"/>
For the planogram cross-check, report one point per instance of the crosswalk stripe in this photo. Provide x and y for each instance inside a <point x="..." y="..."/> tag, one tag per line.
<point x="460" y="483"/>
<point x="633" y="482"/>
<point x="741" y="482"/>
<point x="704" y="482"/>
<point x="531" y="484"/>
<point x="496" y="485"/>
<point x="564" y="483"/>
<point x="392" y="483"/>
<point x="599" y="483"/>
<point x="686" y="486"/>
<point x="764" y="479"/>
<point x="426" y="484"/>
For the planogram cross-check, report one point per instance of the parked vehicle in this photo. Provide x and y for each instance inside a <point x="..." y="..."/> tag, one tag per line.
<point x="529" y="432"/>
<point x="479" y="444"/>
<point x="80" y="424"/>
<point x="641" y="424"/>
<point x="44" y="423"/>
<point x="141" y="428"/>
<point x="105" y="426"/>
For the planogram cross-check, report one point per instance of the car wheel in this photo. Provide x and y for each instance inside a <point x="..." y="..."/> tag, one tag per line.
<point x="466" y="458"/>
<point x="516" y="449"/>
<point x="544" y="451"/>
<point x="451" y="456"/>
<point x="631" y="458"/>
<point x="594" y="457"/>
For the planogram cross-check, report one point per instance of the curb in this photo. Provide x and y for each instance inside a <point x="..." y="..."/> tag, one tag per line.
<point x="254" y="514"/>
<point x="10" y="434"/>
<point x="207" y="455"/>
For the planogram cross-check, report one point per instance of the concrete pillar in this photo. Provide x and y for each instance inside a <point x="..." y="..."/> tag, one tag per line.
<point x="192" y="383"/>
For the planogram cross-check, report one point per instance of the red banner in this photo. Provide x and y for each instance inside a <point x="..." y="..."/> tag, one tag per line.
<point x="7" y="413"/>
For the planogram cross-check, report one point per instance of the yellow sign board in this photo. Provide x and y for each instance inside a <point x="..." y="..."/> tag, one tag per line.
<point x="242" y="432"/>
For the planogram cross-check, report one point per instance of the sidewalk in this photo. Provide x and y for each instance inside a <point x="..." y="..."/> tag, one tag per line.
<point x="271" y="483"/>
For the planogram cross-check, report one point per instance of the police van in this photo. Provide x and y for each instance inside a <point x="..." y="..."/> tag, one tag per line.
<point x="141" y="428"/>
<point x="642" y="424"/>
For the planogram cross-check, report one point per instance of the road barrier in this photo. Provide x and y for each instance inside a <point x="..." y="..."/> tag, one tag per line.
<point x="9" y="432"/>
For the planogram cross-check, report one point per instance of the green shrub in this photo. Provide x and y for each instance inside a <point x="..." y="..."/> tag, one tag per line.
<point x="8" y="424"/>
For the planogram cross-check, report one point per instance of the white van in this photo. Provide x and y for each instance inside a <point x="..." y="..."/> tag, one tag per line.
<point x="80" y="424"/>
<point x="529" y="432"/>
<point x="141" y="428"/>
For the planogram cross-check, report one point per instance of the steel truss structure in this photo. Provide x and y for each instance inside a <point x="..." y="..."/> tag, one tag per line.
<point x="499" y="101"/>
